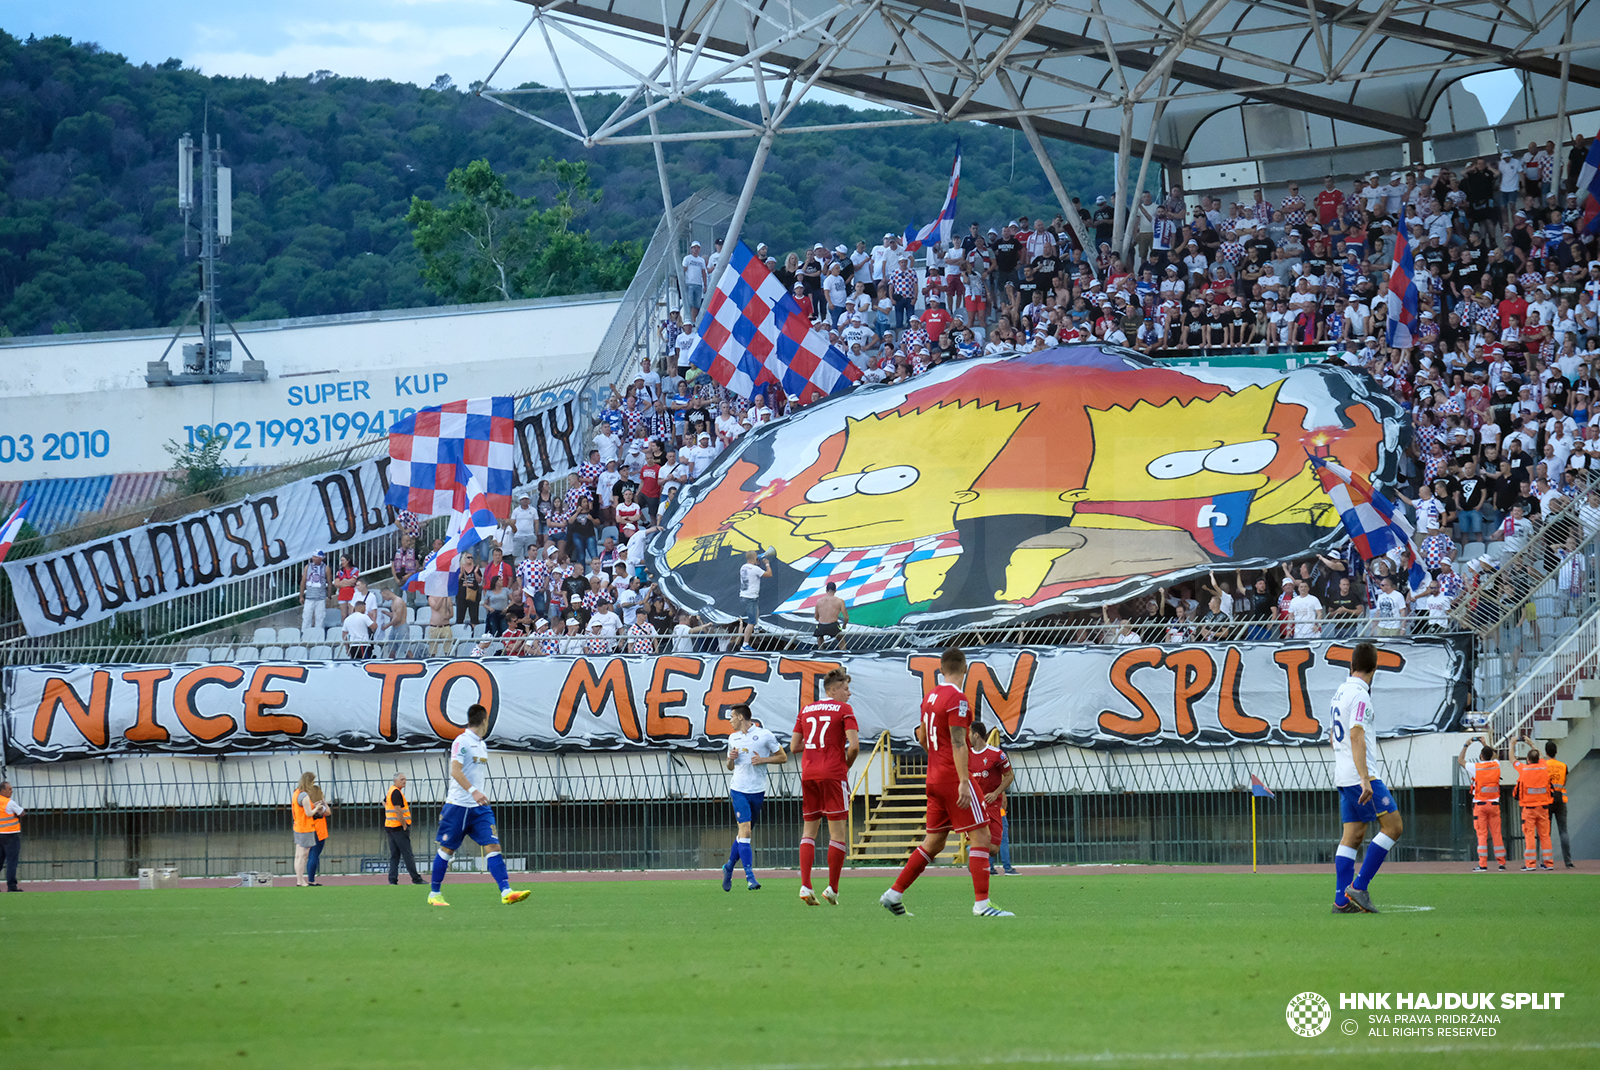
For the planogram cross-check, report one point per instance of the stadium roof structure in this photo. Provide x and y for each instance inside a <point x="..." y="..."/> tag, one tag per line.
<point x="1162" y="82"/>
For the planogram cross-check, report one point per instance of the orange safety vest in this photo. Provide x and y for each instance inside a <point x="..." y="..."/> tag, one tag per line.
<point x="10" y="824"/>
<point x="395" y="816"/>
<point x="1533" y="784"/>
<point x="1558" y="779"/>
<point x="302" y="822"/>
<point x="320" y="825"/>
<point x="1486" y="782"/>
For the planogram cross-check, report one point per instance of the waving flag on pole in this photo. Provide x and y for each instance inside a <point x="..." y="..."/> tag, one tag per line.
<point x="939" y="230"/>
<point x="1588" y="190"/>
<point x="1402" y="300"/>
<point x="1259" y="789"/>
<point x="1370" y="519"/>
<point x="13" y="525"/>
<point x="433" y="451"/>
<point x="753" y="332"/>
<point x="476" y="524"/>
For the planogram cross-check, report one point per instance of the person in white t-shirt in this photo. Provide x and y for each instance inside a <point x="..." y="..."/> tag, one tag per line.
<point x="466" y="810"/>
<point x="358" y="634"/>
<point x="1390" y="610"/>
<point x="694" y="280"/>
<point x="751" y="748"/>
<point x="1305" y="609"/>
<point x="686" y="343"/>
<point x="750" y="577"/>
<point x="700" y="455"/>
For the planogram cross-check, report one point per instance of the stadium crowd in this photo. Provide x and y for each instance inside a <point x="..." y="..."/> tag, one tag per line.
<point x="1501" y="392"/>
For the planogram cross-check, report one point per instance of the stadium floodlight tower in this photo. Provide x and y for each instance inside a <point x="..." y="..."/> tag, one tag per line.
<point x="210" y="360"/>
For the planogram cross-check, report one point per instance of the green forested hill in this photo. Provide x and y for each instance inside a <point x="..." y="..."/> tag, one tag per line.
<point x="324" y="169"/>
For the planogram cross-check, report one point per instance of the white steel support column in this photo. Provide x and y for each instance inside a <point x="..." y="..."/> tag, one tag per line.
<point x="1122" y="213"/>
<point x="745" y="196"/>
<point x="668" y="210"/>
<point x="1074" y="220"/>
<point x="1128" y="237"/>
<point x="1561" y="107"/>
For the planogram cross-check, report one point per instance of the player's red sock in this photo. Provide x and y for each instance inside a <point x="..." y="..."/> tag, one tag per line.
<point x="808" y="855"/>
<point x="836" y="853"/>
<point x="914" y="866"/>
<point x="978" y="866"/>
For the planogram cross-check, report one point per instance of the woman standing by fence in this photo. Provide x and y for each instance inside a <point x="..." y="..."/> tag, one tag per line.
<point x="303" y="808"/>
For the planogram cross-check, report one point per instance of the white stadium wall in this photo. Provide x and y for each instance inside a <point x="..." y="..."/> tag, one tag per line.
<point x="77" y="405"/>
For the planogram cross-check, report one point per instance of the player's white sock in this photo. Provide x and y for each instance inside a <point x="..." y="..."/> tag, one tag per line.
<point x="982" y="904"/>
<point x="893" y="896"/>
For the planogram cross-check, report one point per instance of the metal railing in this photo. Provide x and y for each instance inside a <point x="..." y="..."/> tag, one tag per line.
<point x="658" y="811"/>
<point x="1498" y="595"/>
<point x="1537" y="688"/>
<point x="263" y="599"/>
<point x="881" y="760"/>
<point x="633" y="331"/>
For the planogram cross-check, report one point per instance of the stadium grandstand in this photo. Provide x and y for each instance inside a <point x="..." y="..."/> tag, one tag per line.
<point x="1275" y="163"/>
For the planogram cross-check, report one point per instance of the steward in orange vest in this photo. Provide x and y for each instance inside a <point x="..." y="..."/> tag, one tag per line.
<point x="10" y="835"/>
<point x="1533" y="793"/>
<point x="397" y="825"/>
<point x="1485" y="778"/>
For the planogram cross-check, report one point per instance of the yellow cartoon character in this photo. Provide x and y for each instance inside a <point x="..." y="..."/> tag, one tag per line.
<point x="883" y="522"/>
<point x="1146" y="508"/>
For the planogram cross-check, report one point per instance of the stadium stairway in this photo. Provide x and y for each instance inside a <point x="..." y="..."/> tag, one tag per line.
<point x="894" y="822"/>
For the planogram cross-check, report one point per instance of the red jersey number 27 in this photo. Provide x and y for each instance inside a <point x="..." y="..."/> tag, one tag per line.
<point x="817" y="733"/>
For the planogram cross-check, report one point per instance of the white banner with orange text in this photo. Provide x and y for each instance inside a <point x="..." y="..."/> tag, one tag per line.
<point x="1213" y="695"/>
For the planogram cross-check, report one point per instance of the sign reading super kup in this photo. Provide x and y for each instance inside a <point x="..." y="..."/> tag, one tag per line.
<point x="1211" y="695"/>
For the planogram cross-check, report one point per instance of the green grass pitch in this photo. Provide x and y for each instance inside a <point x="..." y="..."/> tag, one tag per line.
<point x="1127" y="969"/>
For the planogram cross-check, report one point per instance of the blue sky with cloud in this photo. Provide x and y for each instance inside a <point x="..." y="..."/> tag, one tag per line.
<point x="406" y="40"/>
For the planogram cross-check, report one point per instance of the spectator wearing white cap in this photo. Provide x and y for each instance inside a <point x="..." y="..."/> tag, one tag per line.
<point x="694" y="281"/>
<point x="836" y="291"/>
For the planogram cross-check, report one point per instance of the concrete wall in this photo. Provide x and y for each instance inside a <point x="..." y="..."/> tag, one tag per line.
<point x="77" y="405"/>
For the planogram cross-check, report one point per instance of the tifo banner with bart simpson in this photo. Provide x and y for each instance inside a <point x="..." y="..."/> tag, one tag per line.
<point x="1016" y="486"/>
<point x="1212" y="695"/>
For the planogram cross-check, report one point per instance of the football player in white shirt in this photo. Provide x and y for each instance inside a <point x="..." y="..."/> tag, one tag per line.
<point x="751" y="749"/>
<point x="466" y="810"/>
<point x="1362" y="797"/>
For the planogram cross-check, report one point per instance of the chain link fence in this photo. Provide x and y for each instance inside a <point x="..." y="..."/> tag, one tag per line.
<point x="647" y="811"/>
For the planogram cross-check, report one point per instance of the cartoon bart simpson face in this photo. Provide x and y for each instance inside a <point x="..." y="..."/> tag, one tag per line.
<point x="938" y="454"/>
<point x="1138" y="481"/>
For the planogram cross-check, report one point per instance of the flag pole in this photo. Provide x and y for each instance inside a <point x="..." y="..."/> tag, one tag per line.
<point x="1252" y="832"/>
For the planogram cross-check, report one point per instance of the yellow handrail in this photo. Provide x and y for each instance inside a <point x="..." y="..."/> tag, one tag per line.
<point x="881" y="748"/>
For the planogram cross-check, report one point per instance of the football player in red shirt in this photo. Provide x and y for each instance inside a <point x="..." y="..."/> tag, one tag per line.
<point x="825" y="735"/>
<point x="990" y="772"/>
<point x="953" y="806"/>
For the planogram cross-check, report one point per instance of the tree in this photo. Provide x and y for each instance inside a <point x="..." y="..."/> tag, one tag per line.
<point x="491" y="244"/>
<point x="199" y="469"/>
<point x="473" y="249"/>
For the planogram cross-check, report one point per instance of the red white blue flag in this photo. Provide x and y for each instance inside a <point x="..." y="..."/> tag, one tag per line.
<point x="753" y="332"/>
<point x="1589" y="190"/>
<point x="939" y="230"/>
<point x="13" y="525"/>
<point x="433" y="451"/>
<point x="469" y="527"/>
<point x="1260" y="789"/>
<point x="1371" y="520"/>
<point x="1401" y="333"/>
